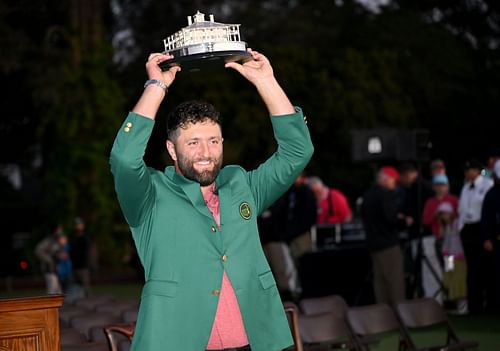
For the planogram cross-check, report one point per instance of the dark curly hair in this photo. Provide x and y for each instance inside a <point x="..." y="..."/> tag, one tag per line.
<point x="190" y="112"/>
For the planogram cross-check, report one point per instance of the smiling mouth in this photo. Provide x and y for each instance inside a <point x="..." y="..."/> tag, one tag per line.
<point x="204" y="163"/>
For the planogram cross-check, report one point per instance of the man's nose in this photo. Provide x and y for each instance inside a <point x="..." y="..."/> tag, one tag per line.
<point x="204" y="150"/>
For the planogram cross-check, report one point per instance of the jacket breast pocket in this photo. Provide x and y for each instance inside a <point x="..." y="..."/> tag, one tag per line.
<point x="267" y="280"/>
<point x="160" y="288"/>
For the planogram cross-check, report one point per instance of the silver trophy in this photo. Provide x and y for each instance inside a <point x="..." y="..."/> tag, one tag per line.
<point x="205" y="44"/>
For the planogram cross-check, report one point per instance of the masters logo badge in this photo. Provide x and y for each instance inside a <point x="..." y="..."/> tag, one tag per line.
<point x="245" y="210"/>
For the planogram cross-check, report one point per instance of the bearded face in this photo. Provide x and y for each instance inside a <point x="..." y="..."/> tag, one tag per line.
<point x="200" y="170"/>
<point x="197" y="152"/>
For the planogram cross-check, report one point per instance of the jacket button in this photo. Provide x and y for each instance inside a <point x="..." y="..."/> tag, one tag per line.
<point x="214" y="229"/>
<point x="129" y="125"/>
<point x="126" y="129"/>
<point x="224" y="258"/>
<point x="216" y="292"/>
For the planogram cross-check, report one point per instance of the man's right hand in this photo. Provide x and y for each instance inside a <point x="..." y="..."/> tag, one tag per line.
<point x="154" y="71"/>
<point x="153" y="95"/>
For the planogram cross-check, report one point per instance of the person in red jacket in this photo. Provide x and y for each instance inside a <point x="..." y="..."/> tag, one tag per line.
<point x="333" y="206"/>
<point x="442" y="191"/>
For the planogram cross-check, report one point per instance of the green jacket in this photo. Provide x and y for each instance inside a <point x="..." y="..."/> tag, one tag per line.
<point x="180" y="245"/>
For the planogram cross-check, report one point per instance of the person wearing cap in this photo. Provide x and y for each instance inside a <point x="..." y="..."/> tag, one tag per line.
<point x="379" y="212"/>
<point x="431" y="244"/>
<point x="490" y="223"/>
<point x="437" y="167"/>
<point x="469" y="223"/>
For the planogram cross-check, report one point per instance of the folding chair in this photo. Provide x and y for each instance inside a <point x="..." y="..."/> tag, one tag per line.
<point x="117" y="334"/>
<point x="292" y="313"/>
<point x="427" y="312"/>
<point x="373" y="321"/>
<point x="324" y="304"/>
<point x="322" y="323"/>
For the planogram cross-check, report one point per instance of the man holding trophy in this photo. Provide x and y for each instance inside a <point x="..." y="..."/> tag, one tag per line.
<point x="208" y="284"/>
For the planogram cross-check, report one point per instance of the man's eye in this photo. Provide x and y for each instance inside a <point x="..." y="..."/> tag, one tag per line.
<point x="190" y="143"/>
<point x="215" y="141"/>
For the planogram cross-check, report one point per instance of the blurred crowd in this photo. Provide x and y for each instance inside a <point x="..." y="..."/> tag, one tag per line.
<point x="423" y="240"/>
<point x="65" y="260"/>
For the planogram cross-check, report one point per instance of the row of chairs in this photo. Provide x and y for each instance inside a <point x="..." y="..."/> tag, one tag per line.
<point x="83" y="321"/>
<point x="320" y="324"/>
<point x="327" y="323"/>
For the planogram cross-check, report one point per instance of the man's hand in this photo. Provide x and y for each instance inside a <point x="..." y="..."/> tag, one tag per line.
<point x="255" y="70"/>
<point x="153" y="95"/>
<point x="154" y="71"/>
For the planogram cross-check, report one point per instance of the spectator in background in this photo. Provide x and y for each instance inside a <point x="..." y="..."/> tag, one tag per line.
<point x="490" y="222"/>
<point x="271" y="227"/>
<point x="454" y="277"/>
<point x="437" y="167"/>
<point x="64" y="266"/>
<point x="493" y="156"/>
<point x="46" y="251"/>
<point x="298" y="215"/>
<point x="413" y="193"/>
<point x="470" y="205"/>
<point x="80" y="255"/>
<point x="287" y="236"/>
<point x="332" y="205"/>
<point x="432" y="244"/>
<point x="379" y="213"/>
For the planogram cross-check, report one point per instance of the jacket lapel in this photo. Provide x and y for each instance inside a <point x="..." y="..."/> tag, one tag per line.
<point x="192" y="191"/>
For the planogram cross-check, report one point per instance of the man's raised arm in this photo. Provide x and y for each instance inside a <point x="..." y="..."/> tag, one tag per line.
<point x="295" y="148"/>
<point x="132" y="178"/>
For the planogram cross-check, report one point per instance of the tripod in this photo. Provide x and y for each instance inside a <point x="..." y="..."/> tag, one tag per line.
<point x="421" y="259"/>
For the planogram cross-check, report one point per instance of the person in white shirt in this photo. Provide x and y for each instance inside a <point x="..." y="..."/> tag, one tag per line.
<point x="471" y="201"/>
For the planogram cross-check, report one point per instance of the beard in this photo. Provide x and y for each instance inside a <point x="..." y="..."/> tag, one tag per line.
<point x="204" y="178"/>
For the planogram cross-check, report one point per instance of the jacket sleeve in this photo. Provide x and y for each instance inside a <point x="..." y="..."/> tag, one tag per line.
<point x="133" y="183"/>
<point x="276" y="175"/>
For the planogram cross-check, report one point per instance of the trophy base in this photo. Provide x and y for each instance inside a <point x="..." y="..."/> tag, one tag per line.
<point x="208" y="60"/>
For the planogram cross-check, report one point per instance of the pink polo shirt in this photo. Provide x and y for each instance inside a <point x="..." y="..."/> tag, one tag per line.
<point x="228" y="330"/>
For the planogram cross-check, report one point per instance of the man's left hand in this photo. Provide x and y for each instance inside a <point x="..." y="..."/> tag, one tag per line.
<point x="256" y="70"/>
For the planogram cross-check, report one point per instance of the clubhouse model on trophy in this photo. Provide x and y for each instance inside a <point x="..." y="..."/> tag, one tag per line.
<point x="204" y="44"/>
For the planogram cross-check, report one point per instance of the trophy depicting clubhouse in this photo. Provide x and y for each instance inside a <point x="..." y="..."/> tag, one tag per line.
<point x="208" y="284"/>
<point x="205" y="42"/>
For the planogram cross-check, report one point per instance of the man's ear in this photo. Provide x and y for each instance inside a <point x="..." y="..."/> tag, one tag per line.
<point x="171" y="150"/>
